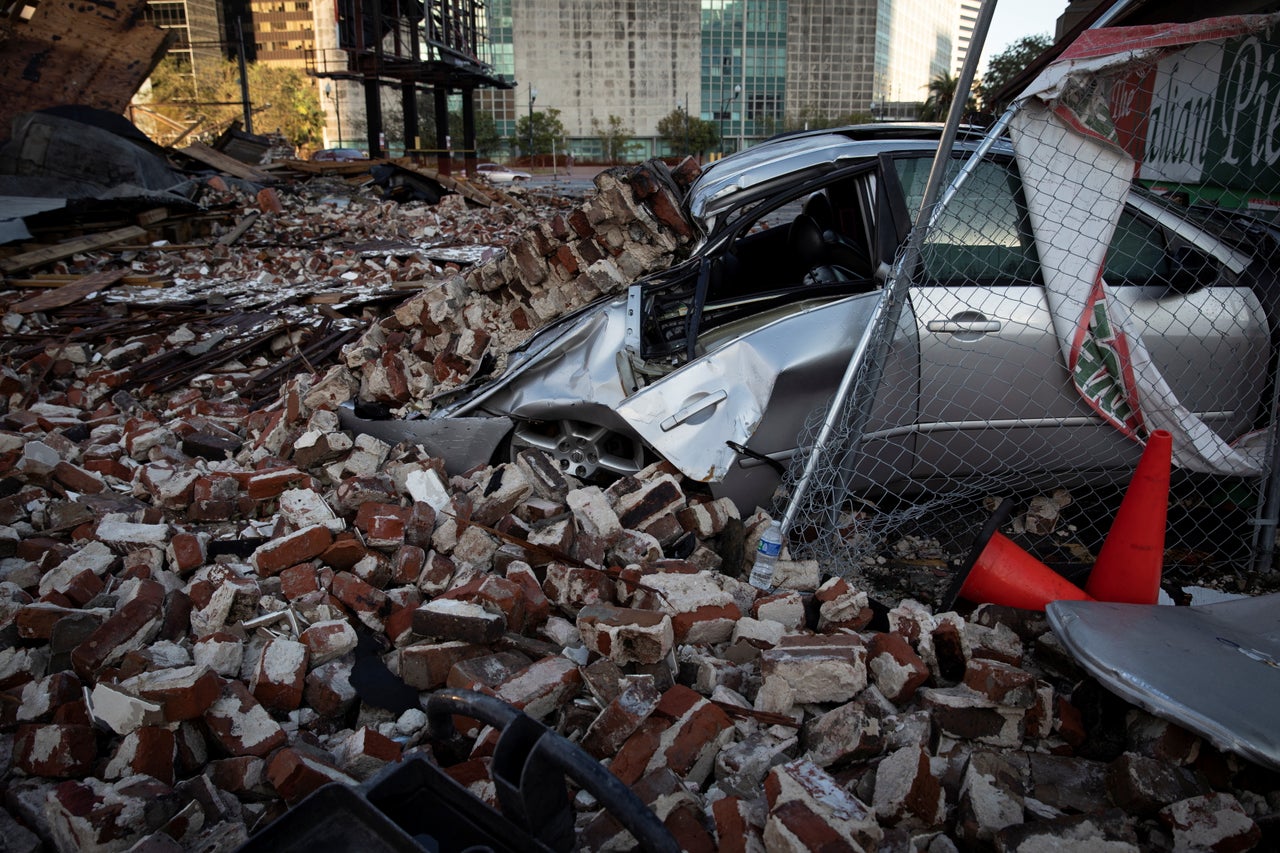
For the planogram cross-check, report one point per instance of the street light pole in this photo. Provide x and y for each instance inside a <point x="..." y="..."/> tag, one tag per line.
<point x="533" y="96"/>
<point x="686" y="152"/>
<point x="737" y="90"/>
<point x="337" y="107"/>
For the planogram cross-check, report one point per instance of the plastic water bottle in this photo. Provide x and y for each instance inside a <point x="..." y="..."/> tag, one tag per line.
<point x="766" y="556"/>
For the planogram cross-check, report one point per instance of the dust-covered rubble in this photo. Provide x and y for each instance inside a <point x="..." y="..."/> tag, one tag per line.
<point x="209" y="611"/>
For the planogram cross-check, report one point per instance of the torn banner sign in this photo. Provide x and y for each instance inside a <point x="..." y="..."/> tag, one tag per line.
<point x="1078" y="150"/>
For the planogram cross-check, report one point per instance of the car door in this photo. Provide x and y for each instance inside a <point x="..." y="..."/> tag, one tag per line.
<point x="1204" y="328"/>
<point x="761" y="375"/>
<point x="995" y="392"/>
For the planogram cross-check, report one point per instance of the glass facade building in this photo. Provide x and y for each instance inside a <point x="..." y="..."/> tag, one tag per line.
<point x="744" y="68"/>
<point x="762" y="66"/>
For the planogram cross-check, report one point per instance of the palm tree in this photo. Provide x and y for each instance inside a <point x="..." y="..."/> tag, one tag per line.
<point x="942" y="91"/>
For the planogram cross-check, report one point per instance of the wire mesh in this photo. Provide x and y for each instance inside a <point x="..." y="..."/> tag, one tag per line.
<point x="1106" y="269"/>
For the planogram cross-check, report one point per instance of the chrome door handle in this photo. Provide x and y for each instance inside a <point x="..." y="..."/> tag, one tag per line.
<point x="953" y="326"/>
<point x="700" y="405"/>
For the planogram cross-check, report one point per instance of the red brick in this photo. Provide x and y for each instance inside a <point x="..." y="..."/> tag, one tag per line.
<point x="486" y="671"/>
<point x="239" y="775"/>
<point x="572" y="587"/>
<point x="55" y="751"/>
<point x="35" y="621"/>
<point x="269" y="201"/>
<point x="183" y="694"/>
<point x="542" y="686"/>
<point x="264" y="485"/>
<point x="631" y="761"/>
<point x="328" y="640"/>
<point x="77" y="479"/>
<point x="894" y="667"/>
<point x="536" y="607"/>
<point x="280" y="675"/>
<point x="371" y="510"/>
<point x="452" y="619"/>
<point x="131" y="623"/>
<point x="151" y="750"/>
<point x="733" y="832"/>
<point x="370" y="605"/>
<point x="1000" y="682"/>
<point x="186" y="552"/>
<point x="329" y="692"/>
<point x="706" y="624"/>
<point x="109" y="468"/>
<point x="626" y="635"/>
<point x="240" y="725"/>
<point x="407" y="564"/>
<point x="297" y="581"/>
<point x="367" y="751"/>
<point x="294" y="775"/>
<point x="297" y="547"/>
<point x="621" y="717"/>
<point x="426" y="666"/>
<point x="404" y="604"/>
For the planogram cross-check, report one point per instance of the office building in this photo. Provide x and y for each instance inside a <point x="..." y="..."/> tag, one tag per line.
<point x="753" y="67"/>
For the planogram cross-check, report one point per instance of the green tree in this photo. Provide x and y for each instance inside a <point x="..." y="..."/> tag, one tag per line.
<point x="942" y="91"/>
<point x="687" y="135"/>
<point x="1009" y="63"/>
<point x="547" y="133"/>
<point x="488" y="140"/>
<point x="283" y="100"/>
<point x="616" y="139"/>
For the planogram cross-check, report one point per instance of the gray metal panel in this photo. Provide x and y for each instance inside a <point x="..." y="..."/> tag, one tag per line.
<point x="1213" y="669"/>
<point x="13" y="209"/>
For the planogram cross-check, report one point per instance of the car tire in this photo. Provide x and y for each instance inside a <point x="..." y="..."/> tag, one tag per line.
<point x="583" y="450"/>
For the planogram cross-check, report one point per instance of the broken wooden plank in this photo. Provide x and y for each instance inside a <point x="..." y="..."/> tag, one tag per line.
<point x="242" y="226"/>
<point x="152" y="216"/>
<point x="69" y="294"/>
<point x="50" y="281"/>
<point x="463" y="188"/>
<point x="331" y="297"/>
<point x="58" y="251"/>
<point x="223" y="163"/>
<point x="326" y="167"/>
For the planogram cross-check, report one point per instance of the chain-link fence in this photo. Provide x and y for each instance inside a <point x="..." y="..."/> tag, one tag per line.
<point x="1102" y="266"/>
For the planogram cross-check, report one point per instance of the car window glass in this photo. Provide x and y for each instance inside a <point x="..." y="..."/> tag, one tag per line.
<point x="983" y="235"/>
<point x="1144" y="253"/>
<point x="1137" y="252"/>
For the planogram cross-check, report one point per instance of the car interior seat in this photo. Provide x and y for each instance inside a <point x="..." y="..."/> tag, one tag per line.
<point x="808" y="251"/>
<point x="824" y="254"/>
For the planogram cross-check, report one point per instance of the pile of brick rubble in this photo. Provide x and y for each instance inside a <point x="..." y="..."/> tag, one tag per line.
<point x="190" y="591"/>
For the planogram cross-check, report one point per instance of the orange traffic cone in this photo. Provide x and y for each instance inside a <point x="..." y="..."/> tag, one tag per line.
<point x="999" y="572"/>
<point x="1132" y="556"/>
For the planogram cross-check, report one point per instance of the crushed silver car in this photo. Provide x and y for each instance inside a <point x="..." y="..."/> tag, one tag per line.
<point x="716" y="363"/>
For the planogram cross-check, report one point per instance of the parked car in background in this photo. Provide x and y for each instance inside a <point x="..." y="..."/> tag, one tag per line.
<point x="500" y="174"/>
<point x="338" y="155"/>
<point x="716" y="363"/>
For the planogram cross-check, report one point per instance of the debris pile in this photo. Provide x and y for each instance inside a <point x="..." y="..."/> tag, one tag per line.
<point x="211" y="609"/>
<point x="197" y="639"/>
<point x="445" y="335"/>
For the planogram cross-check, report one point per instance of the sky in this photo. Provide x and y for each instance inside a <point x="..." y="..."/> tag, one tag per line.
<point x="1017" y="18"/>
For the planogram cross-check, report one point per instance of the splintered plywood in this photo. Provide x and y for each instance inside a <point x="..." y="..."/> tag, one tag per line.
<point x="77" y="52"/>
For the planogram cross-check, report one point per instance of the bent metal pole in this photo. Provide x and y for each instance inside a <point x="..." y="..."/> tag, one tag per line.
<point x="888" y="309"/>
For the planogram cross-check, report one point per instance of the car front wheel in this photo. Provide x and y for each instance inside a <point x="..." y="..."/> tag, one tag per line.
<point x="583" y="450"/>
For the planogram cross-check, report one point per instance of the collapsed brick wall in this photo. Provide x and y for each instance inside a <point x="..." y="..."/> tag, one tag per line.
<point x="198" y="602"/>
<point x="441" y="337"/>
<point x="178" y="682"/>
